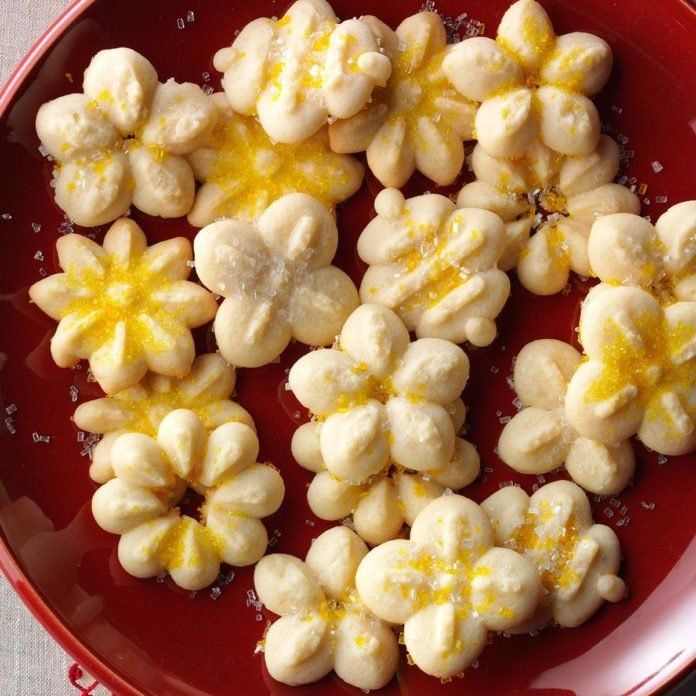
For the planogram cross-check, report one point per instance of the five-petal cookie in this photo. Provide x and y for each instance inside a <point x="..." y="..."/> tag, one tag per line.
<point x="277" y="280"/>
<point x="124" y="306"/>
<point x="532" y="83"/>
<point x="418" y="121"/>
<point x="576" y="559"/>
<point x="301" y="70"/>
<point x="152" y="475"/>
<point x="121" y="140"/>
<point x="323" y="624"/>
<point x="448" y="585"/>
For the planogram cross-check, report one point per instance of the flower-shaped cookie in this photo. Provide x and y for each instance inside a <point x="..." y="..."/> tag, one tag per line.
<point x="418" y="121"/>
<point x="640" y="370"/>
<point x="540" y="439"/>
<point x="299" y="71"/>
<point x="381" y="504"/>
<point x="206" y="390"/>
<point x="627" y="249"/>
<point x="152" y="475"/>
<point x="435" y="266"/>
<point x="124" y="306"/>
<point x="243" y="171"/>
<point x="558" y="197"/>
<point x="448" y="585"/>
<point x="576" y="559"/>
<point x="532" y="83"/>
<point x="277" y="280"/>
<point x="323" y="625"/>
<point x="120" y="141"/>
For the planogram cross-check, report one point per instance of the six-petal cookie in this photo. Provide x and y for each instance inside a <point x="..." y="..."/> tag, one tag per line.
<point x="277" y="280"/>
<point x="532" y="83"/>
<point x="448" y="585"/>
<point x="120" y="141"/>
<point x="418" y="121"/>
<point x="539" y="438"/>
<point x="555" y="196"/>
<point x="243" y="171"/>
<point x="206" y="390"/>
<point x="435" y="266"/>
<point x="124" y="306"/>
<point x="299" y="71"/>
<point x="323" y="624"/>
<point x="152" y="475"/>
<point x="576" y="559"/>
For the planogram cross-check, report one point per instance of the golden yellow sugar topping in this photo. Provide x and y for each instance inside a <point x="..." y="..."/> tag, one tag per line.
<point x="175" y="552"/>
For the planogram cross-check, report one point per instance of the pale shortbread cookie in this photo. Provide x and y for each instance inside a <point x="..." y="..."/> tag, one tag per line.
<point x="152" y="475"/>
<point x="385" y="501"/>
<point x="627" y="249"/>
<point x="576" y="559"/>
<point x="418" y="121"/>
<point x="532" y="84"/>
<point x="539" y="438"/>
<point x="301" y="70"/>
<point x="124" y="306"/>
<point x="120" y="141"/>
<point x="555" y="196"/>
<point x="277" y="280"/>
<point x="243" y="171"/>
<point x="448" y="585"/>
<point x="206" y="390"/>
<point x="435" y="266"/>
<point x="323" y="624"/>
<point x="639" y="373"/>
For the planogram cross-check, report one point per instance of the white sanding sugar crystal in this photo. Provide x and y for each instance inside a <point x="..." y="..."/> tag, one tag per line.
<point x="657" y="167"/>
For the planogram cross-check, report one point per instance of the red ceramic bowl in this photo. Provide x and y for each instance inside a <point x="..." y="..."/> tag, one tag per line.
<point x="148" y="637"/>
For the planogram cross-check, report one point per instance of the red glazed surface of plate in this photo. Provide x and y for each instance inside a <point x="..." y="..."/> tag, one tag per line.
<point x="150" y="637"/>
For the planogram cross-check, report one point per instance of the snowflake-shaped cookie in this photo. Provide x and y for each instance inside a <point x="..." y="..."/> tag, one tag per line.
<point x="277" y="280"/>
<point x="119" y="142"/>
<point x="639" y="372"/>
<point x="301" y="70"/>
<point x="539" y="438"/>
<point x="576" y="559"/>
<point x="124" y="306"/>
<point x="627" y="249"/>
<point x="323" y="624"/>
<point x="435" y="266"/>
<point x="152" y="475"/>
<point x="448" y="585"/>
<point x="532" y="83"/>
<point x="556" y="196"/>
<point x="380" y="505"/>
<point x="243" y="171"/>
<point x="206" y="390"/>
<point x="418" y="121"/>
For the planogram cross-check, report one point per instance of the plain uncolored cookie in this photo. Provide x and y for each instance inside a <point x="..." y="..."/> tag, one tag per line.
<point x="577" y="560"/>
<point x="435" y="266"/>
<point x="627" y="249"/>
<point x="381" y="504"/>
<point x="121" y="140"/>
<point x="206" y="390"/>
<point x="532" y="83"/>
<point x="418" y="121"/>
<point x="141" y="503"/>
<point x="639" y="372"/>
<point x="124" y="306"/>
<point x="243" y="171"/>
<point x="448" y="585"/>
<point x="323" y="624"/>
<point x="556" y="197"/>
<point x="539" y="438"/>
<point x="301" y="70"/>
<point x="277" y="280"/>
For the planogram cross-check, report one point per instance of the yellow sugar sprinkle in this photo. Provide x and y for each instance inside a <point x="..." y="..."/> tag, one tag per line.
<point x="174" y="552"/>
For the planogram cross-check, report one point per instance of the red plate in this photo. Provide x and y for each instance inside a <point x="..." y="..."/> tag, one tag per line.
<point x="144" y="636"/>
